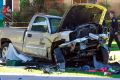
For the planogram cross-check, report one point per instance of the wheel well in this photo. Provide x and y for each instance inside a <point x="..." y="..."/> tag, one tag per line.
<point x="4" y="40"/>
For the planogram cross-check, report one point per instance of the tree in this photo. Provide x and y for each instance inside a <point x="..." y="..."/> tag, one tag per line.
<point x="56" y="8"/>
<point x="38" y="5"/>
<point x="27" y="9"/>
<point x="24" y="4"/>
<point x="25" y="13"/>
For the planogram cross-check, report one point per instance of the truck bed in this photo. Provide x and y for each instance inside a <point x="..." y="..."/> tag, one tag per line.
<point x="13" y="34"/>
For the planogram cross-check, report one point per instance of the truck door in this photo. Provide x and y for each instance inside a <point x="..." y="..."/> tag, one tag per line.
<point x="34" y="37"/>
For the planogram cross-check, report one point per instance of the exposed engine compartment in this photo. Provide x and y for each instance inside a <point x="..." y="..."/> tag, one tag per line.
<point x="85" y="41"/>
<point x="84" y="30"/>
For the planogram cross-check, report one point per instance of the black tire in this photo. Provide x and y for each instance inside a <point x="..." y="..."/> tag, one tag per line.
<point x="4" y="49"/>
<point x="105" y="55"/>
<point x="58" y="56"/>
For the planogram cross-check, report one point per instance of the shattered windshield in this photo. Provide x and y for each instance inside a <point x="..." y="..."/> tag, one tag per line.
<point x="54" y="22"/>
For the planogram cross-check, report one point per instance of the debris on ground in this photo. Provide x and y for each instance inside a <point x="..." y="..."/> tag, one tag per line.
<point x="13" y="54"/>
<point x="107" y="74"/>
<point x="98" y="64"/>
<point x="85" y="68"/>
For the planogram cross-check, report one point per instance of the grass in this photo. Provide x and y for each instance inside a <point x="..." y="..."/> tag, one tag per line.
<point x="114" y="46"/>
<point x="69" y="73"/>
<point x="95" y="74"/>
<point x="39" y="72"/>
<point x="19" y="70"/>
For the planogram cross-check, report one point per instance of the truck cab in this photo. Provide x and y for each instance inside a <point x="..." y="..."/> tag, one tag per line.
<point x="44" y="23"/>
<point x="39" y="35"/>
<point x="35" y="40"/>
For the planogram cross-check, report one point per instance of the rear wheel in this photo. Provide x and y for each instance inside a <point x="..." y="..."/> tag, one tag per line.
<point x="4" y="51"/>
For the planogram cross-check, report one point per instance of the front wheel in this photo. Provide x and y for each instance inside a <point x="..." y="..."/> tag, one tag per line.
<point x="103" y="55"/>
<point x="58" y="56"/>
<point x="59" y="59"/>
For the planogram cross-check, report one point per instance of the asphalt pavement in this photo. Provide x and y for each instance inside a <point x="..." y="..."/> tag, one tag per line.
<point x="27" y="77"/>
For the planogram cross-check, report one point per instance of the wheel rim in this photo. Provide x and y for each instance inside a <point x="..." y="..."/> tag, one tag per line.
<point x="4" y="51"/>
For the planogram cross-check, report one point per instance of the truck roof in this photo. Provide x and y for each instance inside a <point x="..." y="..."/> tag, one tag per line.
<point x="48" y="16"/>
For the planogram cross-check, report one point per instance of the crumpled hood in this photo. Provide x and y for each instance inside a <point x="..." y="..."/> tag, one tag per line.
<point x="81" y="14"/>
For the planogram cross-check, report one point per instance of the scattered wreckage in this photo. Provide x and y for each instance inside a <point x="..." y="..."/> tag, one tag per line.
<point x="74" y="42"/>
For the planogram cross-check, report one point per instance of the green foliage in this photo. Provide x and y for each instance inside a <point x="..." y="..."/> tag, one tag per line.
<point x="24" y="4"/>
<point x="53" y="12"/>
<point x="56" y="8"/>
<point x="24" y="15"/>
<point x="25" y="12"/>
<point x="38" y="5"/>
<point x="27" y="9"/>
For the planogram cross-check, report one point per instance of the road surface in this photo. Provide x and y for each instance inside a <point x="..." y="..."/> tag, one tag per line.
<point x="31" y="77"/>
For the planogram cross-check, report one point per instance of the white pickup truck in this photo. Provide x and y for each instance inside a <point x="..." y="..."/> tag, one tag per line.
<point x="77" y="37"/>
<point x="32" y="40"/>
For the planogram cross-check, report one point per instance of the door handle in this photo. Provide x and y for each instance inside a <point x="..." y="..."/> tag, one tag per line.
<point x="29" y="35"/>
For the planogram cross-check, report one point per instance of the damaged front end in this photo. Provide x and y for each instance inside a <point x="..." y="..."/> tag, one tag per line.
<point x="80" y="49"/>
<point x="82" y="30"/>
